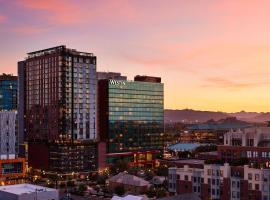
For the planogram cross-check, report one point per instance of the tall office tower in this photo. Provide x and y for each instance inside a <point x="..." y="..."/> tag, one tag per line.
<point x="130" y="120"/>
<point x="59" y="108"/>
<point x="8" y="92"/>
<point x="110" y="75"/>
<point x="12" y="167"/>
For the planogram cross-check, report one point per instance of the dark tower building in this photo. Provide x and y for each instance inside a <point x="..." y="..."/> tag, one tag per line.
<point x="130" y="120"/>
<point x="8" y="92"/>
<point x="57" y="111"/>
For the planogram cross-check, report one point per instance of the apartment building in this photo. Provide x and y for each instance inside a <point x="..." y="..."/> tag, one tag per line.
<point x="221" y="182"/>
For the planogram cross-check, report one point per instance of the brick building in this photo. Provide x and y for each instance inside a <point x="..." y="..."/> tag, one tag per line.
<point x="221" y="182"/>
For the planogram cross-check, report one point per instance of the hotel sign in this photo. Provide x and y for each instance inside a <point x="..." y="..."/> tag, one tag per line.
<point x="116" y="82"/>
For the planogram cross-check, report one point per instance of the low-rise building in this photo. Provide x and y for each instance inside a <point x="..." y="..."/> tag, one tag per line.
<point x="131" y="183"/>
<point x="27" y="192"/>
<point x="130" y="197"/>
<point x="221" y="182"/>
<point x="251" y="143"/>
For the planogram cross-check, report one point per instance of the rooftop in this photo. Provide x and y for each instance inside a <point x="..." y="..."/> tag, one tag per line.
<point x="57" y="49"/>
<point x="127" y="179"/>
<point x="185" y="146"/>
<point x="191" y="161"/>
<point x="189" y="196"/>
<point x="130" y="197"/>
<point x="24" y="189"/>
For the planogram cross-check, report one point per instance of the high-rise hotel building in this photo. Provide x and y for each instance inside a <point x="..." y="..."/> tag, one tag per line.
<point x="130" y="120"/>
<point x="58" y="108"/>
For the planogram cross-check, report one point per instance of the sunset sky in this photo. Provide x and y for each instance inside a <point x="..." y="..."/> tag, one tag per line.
<point x="211" y="54"/>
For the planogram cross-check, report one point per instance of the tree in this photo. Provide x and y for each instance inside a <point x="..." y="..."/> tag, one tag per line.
<point x="162" y="171"/>
<point x="82" y="188"/>
<point x="161" y="192"/>
<point x="70" y="183"/>
<point x="133" y="170"/>
<point x="119" y="166"/>
<point x="149" y="174"/>
<point x="151" y="192"/>
<point x="184" y="154"/>
<point x="119" y="190"/>
<point x="101" y="179"/>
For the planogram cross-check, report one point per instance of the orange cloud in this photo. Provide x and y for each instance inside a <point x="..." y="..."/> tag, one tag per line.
<point x="218" y="82"/>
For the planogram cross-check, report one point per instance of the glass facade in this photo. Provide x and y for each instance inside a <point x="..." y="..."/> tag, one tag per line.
<point x="135" y="116"/>
<point x="8" y="92"/>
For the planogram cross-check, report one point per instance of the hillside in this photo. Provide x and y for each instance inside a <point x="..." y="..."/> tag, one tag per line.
<point x="197" y="116"/>
<point x="191" y="116"/>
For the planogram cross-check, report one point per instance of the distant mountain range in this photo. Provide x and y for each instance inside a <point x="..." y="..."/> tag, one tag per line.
<point x="197" y="116"/>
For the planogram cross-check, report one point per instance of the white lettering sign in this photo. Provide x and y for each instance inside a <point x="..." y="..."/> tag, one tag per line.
<point x="116" y="82"/>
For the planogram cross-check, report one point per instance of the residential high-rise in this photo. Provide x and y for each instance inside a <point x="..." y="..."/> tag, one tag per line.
<point x="8" y="92"/>
<point x="130" y="120"/>
<point x="59" y="108"/>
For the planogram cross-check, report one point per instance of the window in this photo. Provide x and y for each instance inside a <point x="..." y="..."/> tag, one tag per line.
<point x="255" y="154"/>
<point x="194" y="179"/>
<point x="213" y="192"/>
<point x="249" y="176"/>
<point x="186" y="177"/>
<point x="233" y="194"/>
<point x="209" y="172"/>
<point x="221" y="173"/>
<point x="250" y="186"/>
<point x="233" y="184"/>
<point x="257" y="177"/>
<point x="213" y="181"/>
<point x="257" y="187"/>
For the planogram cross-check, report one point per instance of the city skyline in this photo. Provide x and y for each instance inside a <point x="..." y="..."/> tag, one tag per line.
<point x="210" y="55"/>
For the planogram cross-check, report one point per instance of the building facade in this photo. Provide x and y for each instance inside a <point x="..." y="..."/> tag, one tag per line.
<point x="130" y="120"/>
<point x="27" y="192"/>
<point x="59" y="104"/>
<point x="249" y="143"/>
<point x="8" y="136"/>
<point x="12" y="168"/>
<point x="8" y="92"/>
<point x="110" y="75"/>
<point x="221" y="182"/>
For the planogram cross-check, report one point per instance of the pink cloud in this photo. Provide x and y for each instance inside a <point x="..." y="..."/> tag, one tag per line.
<point x="77" y="12"/>
<point x="28" y="30"/>
<point x="2" y="18"/>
